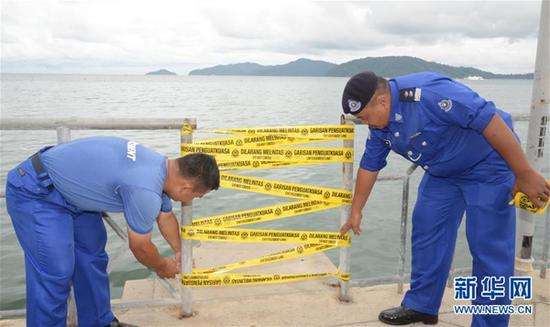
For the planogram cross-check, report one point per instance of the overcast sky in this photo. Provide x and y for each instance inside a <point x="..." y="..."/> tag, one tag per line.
<point x="133" y="37"/>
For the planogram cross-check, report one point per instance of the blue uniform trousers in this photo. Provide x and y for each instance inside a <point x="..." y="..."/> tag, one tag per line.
<point x="62" y="244"/>
<point x="483" y="193"/>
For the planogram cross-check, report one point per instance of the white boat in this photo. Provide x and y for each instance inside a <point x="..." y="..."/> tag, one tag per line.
<point x="474" y="78"/>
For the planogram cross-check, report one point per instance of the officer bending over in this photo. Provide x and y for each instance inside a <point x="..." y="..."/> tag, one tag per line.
<point x="472" y="162"/>
<point x="55" y="199"/>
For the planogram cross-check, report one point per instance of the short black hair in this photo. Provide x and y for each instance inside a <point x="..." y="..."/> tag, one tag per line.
<point x="201" y="167"/>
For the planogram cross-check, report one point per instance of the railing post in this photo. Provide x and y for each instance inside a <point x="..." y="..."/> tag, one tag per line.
<point x="347" y="176"/>
<point x="403" y="229"/>
<point x="72" y="318"/>
<point x="64" y="135"/>
<point x="403" y="233"/>
<point x="186" y="246"/>
<point x="536" y="136"/>
<point x="545" y="245"/>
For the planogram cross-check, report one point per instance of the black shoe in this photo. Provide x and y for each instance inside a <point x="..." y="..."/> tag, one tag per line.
<point x="116" y="323"/>
<point x="405" y="316"/>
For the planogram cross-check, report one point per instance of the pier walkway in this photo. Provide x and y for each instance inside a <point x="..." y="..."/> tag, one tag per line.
<point x="309" y="303"/>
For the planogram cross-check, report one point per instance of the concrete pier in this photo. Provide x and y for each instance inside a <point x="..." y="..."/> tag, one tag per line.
<point x="309" y="303"/>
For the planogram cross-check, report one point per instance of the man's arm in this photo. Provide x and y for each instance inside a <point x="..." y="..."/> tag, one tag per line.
<point x="363" y="186"/>
<point x="146" y="253"/>
<point x="528" y="181"/>
<point x="170" y="230"/>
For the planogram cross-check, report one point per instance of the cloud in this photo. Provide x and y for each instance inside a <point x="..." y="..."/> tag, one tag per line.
<point x="504" y="19"/>
<point x="129" y="36"/>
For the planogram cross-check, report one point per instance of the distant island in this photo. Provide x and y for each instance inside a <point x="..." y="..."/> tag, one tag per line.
<point x="161" y="72"/>
<point x="383" y="66"/>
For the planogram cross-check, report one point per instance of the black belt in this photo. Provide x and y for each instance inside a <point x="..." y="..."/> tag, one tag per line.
<point x="40" y="171"/>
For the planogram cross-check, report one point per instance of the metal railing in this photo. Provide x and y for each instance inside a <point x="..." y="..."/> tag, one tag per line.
<point x="183" y="296"/>
<point x="345" y="210"/>
<point x="63" y="129"/>
<point x="186" y="309"/>
<point x="344" y="258"/>
<point x="402" y="277"/>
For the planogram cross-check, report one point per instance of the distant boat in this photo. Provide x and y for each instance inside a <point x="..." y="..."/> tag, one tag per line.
<point x="475" y="78"/>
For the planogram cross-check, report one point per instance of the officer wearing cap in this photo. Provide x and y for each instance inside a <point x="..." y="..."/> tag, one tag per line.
<point x="56" y="199"/>
<point x="472" y="161"/>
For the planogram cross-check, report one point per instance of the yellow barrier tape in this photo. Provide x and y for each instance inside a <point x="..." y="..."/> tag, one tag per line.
<point x="264" y="236"/>
<point x="300" y="191"/>
<point x="272" y="153"/>
<point x="186" y="129"/>
<point x="521" y="201"/>
<point x="258" y="140"/>
<point x="257" y="148"/>
<point x="255" y="164"/>
<point x="345" y="132"/>
<point x="296" y="252"/>
<point x="201" y="280"/>
<point x="327" y="132"/>
<point x="258" y="215"/>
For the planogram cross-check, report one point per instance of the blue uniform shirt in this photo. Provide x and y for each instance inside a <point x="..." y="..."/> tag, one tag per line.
<point x="436" y="123"/>
<point x="110" y="174"/>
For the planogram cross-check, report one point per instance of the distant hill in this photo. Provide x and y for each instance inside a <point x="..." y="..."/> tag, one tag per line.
<point x="246" y="68"/>
<point x="383" y="66"/>
<point x="395" y="66"/>
<point x="161" y="72"/>
<point x="300" y="67"/>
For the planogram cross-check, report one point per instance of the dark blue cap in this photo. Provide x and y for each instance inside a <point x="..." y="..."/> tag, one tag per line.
<point x="358" y="92"/>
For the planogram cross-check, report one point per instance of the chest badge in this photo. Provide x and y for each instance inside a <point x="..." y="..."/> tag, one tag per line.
<point x="446" y="104"/>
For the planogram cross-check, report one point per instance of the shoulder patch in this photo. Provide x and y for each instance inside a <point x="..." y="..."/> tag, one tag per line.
<point x="412" y="94"/>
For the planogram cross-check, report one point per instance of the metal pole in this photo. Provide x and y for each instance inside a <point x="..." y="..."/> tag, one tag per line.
<point x="116" y="228"/>
<point x="64" y="135"/>
<point x="94" y="123"/>
<point x="536" y="135"/>
<point x="545" y="246"/>
<point x="347" y="176"/>
<point x="403" y="229"/>
<point x="186" y="247"/>
<point x="72" y="318"/>
<point x="403" y="233"/>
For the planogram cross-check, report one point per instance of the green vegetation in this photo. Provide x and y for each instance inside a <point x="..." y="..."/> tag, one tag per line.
<point x="161" y="72"/>
<point x="383" y="66"/>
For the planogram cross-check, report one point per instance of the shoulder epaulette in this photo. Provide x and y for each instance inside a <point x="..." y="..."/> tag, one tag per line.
<point x="411" y="94"/>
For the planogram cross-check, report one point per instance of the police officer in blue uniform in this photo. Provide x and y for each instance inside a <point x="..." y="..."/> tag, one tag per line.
<point x="473" y="164"/>
<point x="56" y="199"/>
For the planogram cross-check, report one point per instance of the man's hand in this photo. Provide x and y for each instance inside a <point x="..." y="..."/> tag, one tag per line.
<point x="363" y="186"/>
<point x="168" y="268"/>
<point x="353" y="223"/>
<point x="528" y="181"/>
<point x="146" y="253"/>
<point x="534" y="186"/>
